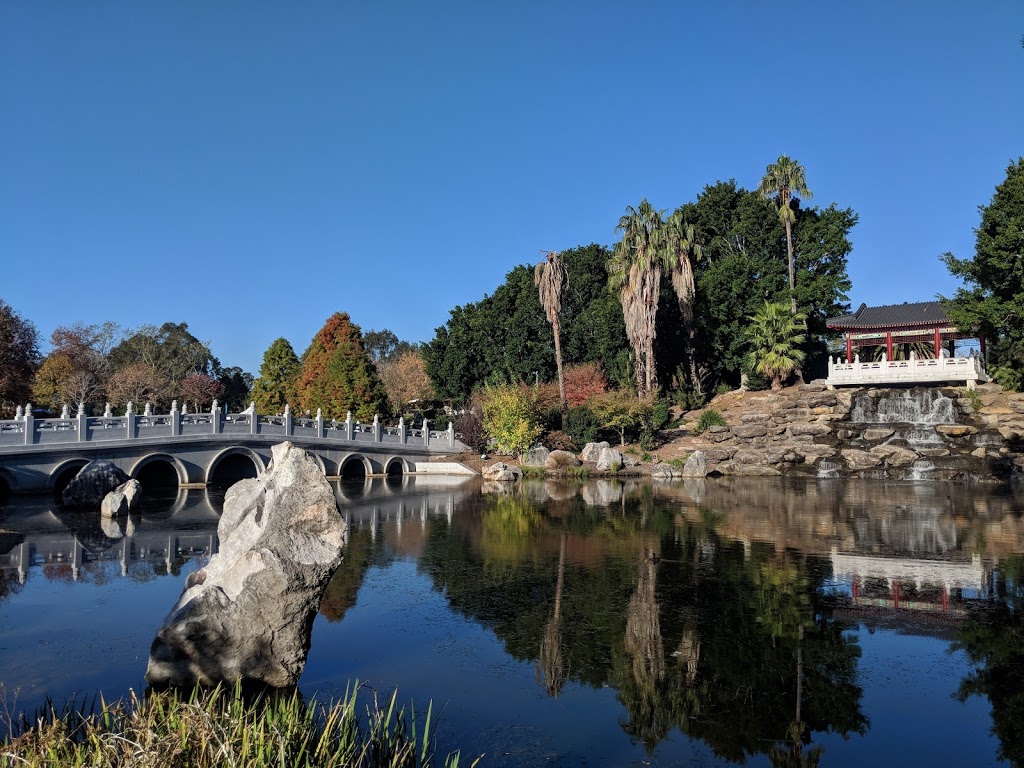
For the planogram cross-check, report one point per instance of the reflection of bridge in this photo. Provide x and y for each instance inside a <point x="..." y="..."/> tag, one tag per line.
<point x="187" y="528"/>
<point x="188" y="449"/>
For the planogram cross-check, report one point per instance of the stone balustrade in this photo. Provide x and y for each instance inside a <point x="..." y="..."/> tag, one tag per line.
<point x="969" y="370"/>
<point x="26" y="430"/>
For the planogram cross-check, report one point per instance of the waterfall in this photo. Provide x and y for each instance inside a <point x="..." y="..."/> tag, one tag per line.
<point x="905" y="406"/>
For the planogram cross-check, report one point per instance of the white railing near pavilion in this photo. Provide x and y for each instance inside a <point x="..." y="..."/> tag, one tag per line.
<point x="26" y="430"/>
<point x="969" y="370"/>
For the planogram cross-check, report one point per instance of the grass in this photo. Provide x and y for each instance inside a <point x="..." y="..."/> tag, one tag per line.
<point x="533" y="472"/>
<point x="578" y="473"/>
<point x="219" y="727"/>
<point x="709" y="418"/>
<point x="975" y="398"/>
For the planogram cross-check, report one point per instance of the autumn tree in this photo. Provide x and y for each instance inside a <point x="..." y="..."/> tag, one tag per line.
<point x="583" y="382"/>
<point x="405" y="379"/>
<point x="171" y="350"/>
<point x="201" y="390"/>
<point x="135" y="383"/>
<point x="337" y="375"/>
<point x="19" y="356"/>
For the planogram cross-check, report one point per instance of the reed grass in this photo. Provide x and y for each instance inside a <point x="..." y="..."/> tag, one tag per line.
<point x="220" y="727"/>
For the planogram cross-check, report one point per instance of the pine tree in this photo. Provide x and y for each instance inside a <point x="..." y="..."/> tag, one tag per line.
<point x="275" y="387"/>
<point x="337" y="375"/>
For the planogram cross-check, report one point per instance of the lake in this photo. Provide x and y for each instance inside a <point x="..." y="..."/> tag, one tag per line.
<point x="713" y="622"/>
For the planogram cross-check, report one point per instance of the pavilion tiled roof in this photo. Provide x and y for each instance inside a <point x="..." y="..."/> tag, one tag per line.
<point x="921" y="313"/>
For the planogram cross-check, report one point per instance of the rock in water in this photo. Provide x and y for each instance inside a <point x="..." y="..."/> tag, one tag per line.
<point x="696" y="465"/>
<point x="122" y="500"/>
<point x="248" y="614"/>
<point x="91" y="485"/>
<point x="592" y="451"/>
<point x="535" y="457"/>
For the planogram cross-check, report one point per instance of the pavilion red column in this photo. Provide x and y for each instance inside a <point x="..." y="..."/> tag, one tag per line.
<point x="888" y="345"/>
<point x="849" y="348"/>
<point x="938" y="344"/>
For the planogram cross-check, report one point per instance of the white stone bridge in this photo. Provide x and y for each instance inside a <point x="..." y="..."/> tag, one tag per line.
<point x="193" y="449"/>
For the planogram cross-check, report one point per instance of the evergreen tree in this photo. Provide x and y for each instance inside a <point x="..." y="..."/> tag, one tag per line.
<point x="275" y="387"/>
<point x="993" y="301"/>
<point x="337" y="374"/>
<point x="19" y="356"/>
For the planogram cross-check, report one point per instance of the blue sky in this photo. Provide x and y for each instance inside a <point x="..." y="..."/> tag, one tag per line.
<point x="251" y="167"/>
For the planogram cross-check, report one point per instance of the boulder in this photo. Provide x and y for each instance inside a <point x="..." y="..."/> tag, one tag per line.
<point x="857" y="459"/>
<point x="666" y="471"/>
<point x="536" y="456"/>
<point x="91" y="485"/>
<point x="955" y="430"/>
<point x="814" y="428"/>
<point x="592" y="451"/>
<point x="502" y="473"/>
<point x="610" y="460"/>
<point x="122" y="500"/>
<point x="560" y="459"/>
<point x="875" y="434"/>
<point x="247" y="616"/>
<point x="696" y="465"/>
<point x="747" y="431"/>
<point x="755" y="470"/>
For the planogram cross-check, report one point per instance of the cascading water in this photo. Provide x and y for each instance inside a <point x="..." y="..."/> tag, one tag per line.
<point x="905" y="406"/>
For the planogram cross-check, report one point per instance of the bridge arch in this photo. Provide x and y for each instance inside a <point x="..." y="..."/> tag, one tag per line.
<point x="154" y="460"/>
<point x="238" y="466"/>
<point x="355" y="467"/>
<point x="396" y="466"/>
<point x="8" y="484"/>
<point x="64" y="473"/>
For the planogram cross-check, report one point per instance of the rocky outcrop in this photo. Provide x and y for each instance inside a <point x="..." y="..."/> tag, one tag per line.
<point x="89" y="487"/>
<point x="122" y="500"/>
<point x="696" y="465"/>
<point x="248" y="614"/>
<point x="592" y="452"/>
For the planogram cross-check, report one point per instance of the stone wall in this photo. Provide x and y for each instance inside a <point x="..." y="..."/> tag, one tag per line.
<point x="809" y="430"/>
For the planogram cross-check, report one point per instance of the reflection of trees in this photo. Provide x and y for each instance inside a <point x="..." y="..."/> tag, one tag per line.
<point x="993" y="640"/>
<point x="732" y="620"/>
<point x="340" y="594"/>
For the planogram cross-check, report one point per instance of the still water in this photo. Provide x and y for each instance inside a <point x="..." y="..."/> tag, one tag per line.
<point x="716" y="622"/>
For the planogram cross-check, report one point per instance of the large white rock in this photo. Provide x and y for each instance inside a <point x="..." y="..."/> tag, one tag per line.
<point x="696" y="465"/>
<point x="248" y="614"/>
<point x="535" y="457"/>
<point x="592" y="451"/>
<point x="501" y="472"/>
<point x="122" y="500"/>
<point x="610" y="460"/>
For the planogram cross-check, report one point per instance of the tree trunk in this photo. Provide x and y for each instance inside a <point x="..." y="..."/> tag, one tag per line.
<point x="563" y="404"/>
<point x="792" y="266"/>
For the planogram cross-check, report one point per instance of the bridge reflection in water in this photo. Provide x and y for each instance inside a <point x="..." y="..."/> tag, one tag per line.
<point x="173" y="529"/>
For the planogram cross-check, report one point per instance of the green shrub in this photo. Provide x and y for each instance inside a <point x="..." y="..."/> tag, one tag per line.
<point x="660" y="414"/>
<point x="709" y="418"/>
<point x="677" y="462"/>
<point x="551" y="420"/>
<point x="509" y="418"/>
<point x="646" y="438"/>
<point x="975" y="398"/>
<point x="688" y="400"/>
<point x="581" y="425"/>
<point x="723" y="389"/>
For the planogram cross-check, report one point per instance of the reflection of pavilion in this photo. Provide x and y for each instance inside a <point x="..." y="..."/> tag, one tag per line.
<point x="911" y="584"/>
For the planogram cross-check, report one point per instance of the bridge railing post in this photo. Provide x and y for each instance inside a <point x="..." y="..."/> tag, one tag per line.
<point x="376" y="428"/>
<point x="319" y="423"/>
<point x="129" y="422"/>
<point x="348" y="426"/>
<point x="215" y="418"/>
<point x="175" y="419"/>
<point x="30" y="425"/>
<point x="83" y="424"/>
<point x="254" y="420"/>
<point x="451" y="434"/>
<point x="426" y="432"/>
<point x="287" y="420"/>
<point x="401" y="430"/>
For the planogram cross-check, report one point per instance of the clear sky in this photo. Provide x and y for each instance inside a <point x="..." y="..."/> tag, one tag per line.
<point x="251" y="167"/>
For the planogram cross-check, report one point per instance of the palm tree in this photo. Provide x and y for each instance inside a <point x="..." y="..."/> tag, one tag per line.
<point x="781" y="180"/>
<point x="549" y="276"/>
<point x="634" y="271"/>
<point x="682" y="251"/>
<point x="776" y="336"/>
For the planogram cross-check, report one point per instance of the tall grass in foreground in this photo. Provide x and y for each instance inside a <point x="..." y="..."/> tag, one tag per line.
<point x="226" y="728"/>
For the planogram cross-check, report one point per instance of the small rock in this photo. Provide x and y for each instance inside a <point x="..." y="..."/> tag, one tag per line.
<point x="747" y="431"/>
<point x="857" y="459"/>
<point x="955" y="430"/>
<point x="874" y="434"/>
<point x="666" y="472"/>
<point x="815" y="428"/>
<point x="122" y="500"/>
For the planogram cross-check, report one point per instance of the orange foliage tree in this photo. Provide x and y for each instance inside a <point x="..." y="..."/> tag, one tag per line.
<point x="583" y="382"/>
<point x="405" y="379"/>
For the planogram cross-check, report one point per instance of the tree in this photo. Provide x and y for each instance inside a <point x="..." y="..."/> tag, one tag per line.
<point x="549" y="276"/>
<point x="52" y="381"/>
<point x="781" y="180"/>
<point x="682" y="252"/>
<point x="19" y="356"/>
<point x="135" y="383"/>
<point x="170" y="350"/>
<point x="621" y="410"/>
<point x="992" y="302"/>
<point x="275" y="388"/>
<point x="201" y="390"/>
<point x="405" y="379"/>
<point x="237" y="387"/>
<point x="584" y="381"/>
<point x="635" y="273"/>
<point x="337" y="375"/>
<point x="509" y="418"/>
<point x="776" y="335"/>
